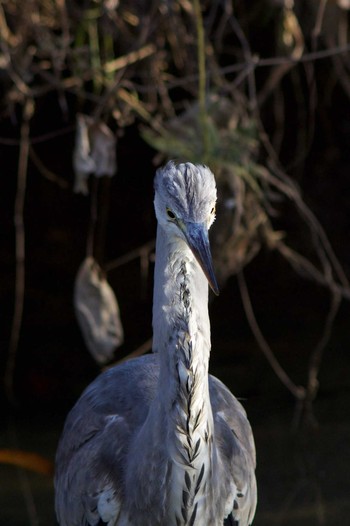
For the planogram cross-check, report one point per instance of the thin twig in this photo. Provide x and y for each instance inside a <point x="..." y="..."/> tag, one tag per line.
<point x="103" y="204"/>
<point x="342" y="74"/>
<point x="317" y="354"/>
<point x="130" y="256"/>
<point x="305" y="268"/>
<point x="130" y="58"/>
<point x="39" y="138"/>
<point x="257" y="62"/>
<point x="109" y="93"/>
<point x="307" y="57"/>
<point x="90" y="242"/>
<point x="28" y="110"/>
<point x="297" y="391"/>
<point x="343" y="27"/>
<point x="142" y="349"/>
<point x="45" y="172"/>
<point x="137" y="106"/>
<point x="323" y="247"/>
<point x="292" y="23"/>
<point x="318" y="23"/>
<point x="251" y="62"/>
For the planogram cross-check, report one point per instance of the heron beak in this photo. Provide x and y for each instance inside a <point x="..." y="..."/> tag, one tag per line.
<point x="196" y="235"/>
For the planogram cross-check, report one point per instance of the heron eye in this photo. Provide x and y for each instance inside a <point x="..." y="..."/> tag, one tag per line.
<point x="213" y="210"/>
<point x="170" y="214"/>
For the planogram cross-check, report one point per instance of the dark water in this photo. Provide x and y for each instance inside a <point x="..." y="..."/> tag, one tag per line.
<point x="303" y="478"/>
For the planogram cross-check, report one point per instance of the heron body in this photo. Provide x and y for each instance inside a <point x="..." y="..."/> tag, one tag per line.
<point x="157" y="441"/>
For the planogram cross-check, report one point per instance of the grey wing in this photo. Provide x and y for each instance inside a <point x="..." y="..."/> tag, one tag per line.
<point x="235" y="439"/>
<point x="87" y="489"/>
<point x="94" y="443"/>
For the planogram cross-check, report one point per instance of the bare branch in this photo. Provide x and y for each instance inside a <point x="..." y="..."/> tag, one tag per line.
<point x="297" y="391"/>
<point x="45" y="172"/>
<point x="129" y="58"/>
<point x="20" y="249"/>
<point x="316" y="357"/>
<point x="130" y="256"/>
<point x="145" y="347"/>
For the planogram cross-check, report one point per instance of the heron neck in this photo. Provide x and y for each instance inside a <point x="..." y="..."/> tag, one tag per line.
<point x="181" y="324"/>
<point x="177" y="435"/>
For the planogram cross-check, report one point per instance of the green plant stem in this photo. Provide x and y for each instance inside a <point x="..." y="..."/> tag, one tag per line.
<point x="202" y="78"/>
<point x="95" y="53"/>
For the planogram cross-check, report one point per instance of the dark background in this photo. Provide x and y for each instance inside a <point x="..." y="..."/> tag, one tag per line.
<point x="302" y="474"/>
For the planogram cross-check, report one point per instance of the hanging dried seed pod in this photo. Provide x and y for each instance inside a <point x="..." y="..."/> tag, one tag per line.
<point x="94" y="152"/>
<point x="97" y="311"/>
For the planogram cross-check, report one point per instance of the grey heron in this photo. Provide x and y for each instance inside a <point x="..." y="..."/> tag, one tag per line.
<point x="157" y="441"/>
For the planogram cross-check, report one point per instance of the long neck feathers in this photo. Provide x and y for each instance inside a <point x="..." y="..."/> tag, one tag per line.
<point x="182" y="339"/>
<point x="180" y="315"/>
<point x="171" y="459"/>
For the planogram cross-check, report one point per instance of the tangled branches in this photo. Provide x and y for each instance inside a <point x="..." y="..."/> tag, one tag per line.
<point x="188" y="74"/>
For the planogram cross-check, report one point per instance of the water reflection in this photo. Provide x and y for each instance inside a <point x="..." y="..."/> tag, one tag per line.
<point x="303" y="478"/>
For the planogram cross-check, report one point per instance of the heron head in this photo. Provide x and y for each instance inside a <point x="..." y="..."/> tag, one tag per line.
<point x="185" y="197"/>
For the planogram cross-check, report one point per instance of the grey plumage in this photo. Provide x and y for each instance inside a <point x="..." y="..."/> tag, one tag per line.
<point x="157" y="441"/>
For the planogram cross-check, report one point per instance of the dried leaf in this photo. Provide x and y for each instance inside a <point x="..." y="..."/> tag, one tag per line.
<point x="344" y="4"/>
<point x="82" y="162"/>
<point x="94" y="152"/>
<point x="97" y="311"/>
<point x="103" y="150"/>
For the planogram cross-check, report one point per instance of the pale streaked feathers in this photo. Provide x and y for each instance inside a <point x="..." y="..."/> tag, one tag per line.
<point x="156" y="441"/>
